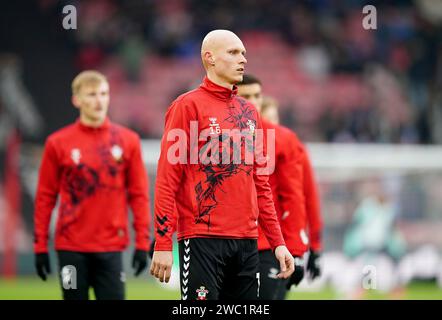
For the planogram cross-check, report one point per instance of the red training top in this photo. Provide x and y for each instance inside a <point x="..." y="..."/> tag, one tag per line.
<point x="97" y="172"/>
<point x="312" y="205"/>
<point x="211" y="200"/>
<point x="288" y="190"/>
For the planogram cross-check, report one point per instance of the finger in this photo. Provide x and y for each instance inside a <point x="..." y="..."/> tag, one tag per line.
<point x="291" y="264"/>
<point x="154" y="268"/>
<point x="284" y="275"/>
<point x="289" y="267"/>
<point x="282" y="266"/>
<point x="161" y="274"/>
<point x="168" y="273"/>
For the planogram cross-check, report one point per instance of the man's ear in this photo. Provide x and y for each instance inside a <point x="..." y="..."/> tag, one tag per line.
<point x="209" y="58"/>
<point x="75" y="102"/>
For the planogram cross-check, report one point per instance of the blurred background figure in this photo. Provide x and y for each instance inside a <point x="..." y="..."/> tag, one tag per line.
<point x="373" y="239"/>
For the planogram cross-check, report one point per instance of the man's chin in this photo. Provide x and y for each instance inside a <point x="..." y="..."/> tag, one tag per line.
<point x="98" y="118"/>
<point x="237" y="79"/>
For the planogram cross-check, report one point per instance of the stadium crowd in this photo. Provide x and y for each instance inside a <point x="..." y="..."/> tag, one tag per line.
<point x="347" y="84"/>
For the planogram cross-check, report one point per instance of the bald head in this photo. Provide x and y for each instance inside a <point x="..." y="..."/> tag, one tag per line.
<point x="223" y="50"/>
<point x="216" y="40"/>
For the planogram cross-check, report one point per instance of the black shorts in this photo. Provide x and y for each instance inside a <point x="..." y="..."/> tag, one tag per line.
<point x="103" y="271"/>
<point x="271" y="288"/>
<point x="219" y="269"/>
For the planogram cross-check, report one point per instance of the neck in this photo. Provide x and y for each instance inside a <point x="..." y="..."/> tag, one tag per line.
<point x="94" y="123"/>
<point x="217" y="80"/>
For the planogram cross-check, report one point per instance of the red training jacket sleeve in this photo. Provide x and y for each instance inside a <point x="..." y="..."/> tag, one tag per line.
<point x="312" y="204"/>
<point x="46" y="197"/>
<point x="267" y="218"/>
<point x="169" y="173"/>
<point x="289" y="174"/>
<point x="138" y="197"/>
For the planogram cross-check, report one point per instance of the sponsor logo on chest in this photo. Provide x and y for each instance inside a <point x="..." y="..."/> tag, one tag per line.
<point x="214" y="126"/>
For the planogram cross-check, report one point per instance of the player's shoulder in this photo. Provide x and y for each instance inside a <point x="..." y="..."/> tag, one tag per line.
<point x="244" y="102"/>
<point x="62" y="133"/>
<point x="185" y="102"/>
<point x="290" y="137"/>
<point x="187" y="97"/>
<point x="124" y="131"/>
<point x="289" y="133"/>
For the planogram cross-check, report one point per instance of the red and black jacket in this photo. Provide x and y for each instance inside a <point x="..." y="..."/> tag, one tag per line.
<point x="97" y="174"/>
<point x="210" y="200"/>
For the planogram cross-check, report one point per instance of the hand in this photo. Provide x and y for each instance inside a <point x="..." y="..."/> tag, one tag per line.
<point x="161" y="266"/>
<point x="286" y="262"/>
<point x="313" y="266"/>
<point x="298" y="274"/>
<point x="139" y="261"/>
<point x="42" y="265"/>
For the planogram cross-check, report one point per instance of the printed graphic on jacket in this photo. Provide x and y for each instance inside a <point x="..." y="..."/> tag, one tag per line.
<point x="242" y="118"/>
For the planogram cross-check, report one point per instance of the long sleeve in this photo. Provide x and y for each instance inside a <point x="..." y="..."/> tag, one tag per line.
<point x="138" y="197"/>
<point x="267" y="214"/>
<point x="46" y="197"/>
<point x="170" y="172"/>
<point x="312" y="204"/>
<point x="289" y="173"/>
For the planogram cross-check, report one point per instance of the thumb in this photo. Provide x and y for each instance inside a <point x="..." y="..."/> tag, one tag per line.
<point x="282" y="264"/>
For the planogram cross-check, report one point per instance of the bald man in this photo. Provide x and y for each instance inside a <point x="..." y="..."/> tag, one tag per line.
<point x="214" y="205"/>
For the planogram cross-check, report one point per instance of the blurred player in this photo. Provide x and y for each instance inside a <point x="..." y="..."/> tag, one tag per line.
<point x="216" y="205"/>
<point x="95" y="166"/>
<point x="295" y="196"/>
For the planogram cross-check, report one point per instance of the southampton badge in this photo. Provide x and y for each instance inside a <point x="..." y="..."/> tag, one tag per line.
<point x="251" y="125"/>
<point x="117" y="153"/>
<point x="202" y="292"/>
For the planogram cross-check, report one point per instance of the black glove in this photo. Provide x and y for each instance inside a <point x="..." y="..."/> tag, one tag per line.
<point x="139" y="261"/>
<point x="313" y="267"/>
<point x="152" y="248"/>
<point x="42" y="265"/>
<point x="298" y="274"/>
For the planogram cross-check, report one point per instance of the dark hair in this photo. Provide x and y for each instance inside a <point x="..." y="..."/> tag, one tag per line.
<point x="249" y="79"/>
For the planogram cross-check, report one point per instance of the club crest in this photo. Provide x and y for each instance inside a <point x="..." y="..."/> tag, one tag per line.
<point x="251" y="125"/>
<point x="117" y="153"/>
<point x="202" y="293"/>
<point x="76" y="155"/>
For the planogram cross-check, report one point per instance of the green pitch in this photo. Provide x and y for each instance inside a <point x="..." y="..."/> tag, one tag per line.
<point x="32" y="288"/>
